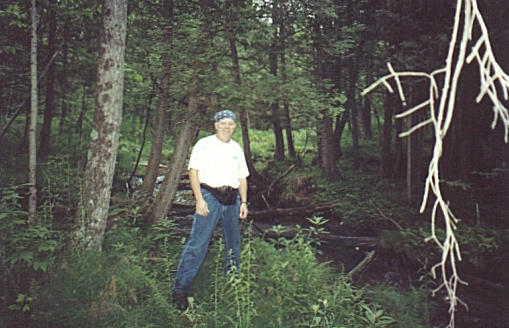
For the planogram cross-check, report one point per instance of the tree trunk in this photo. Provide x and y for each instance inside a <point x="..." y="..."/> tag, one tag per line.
<point x="162" y="116"/>
<point x="414" y="143"/>
<point x="366" y="108"/>
<point x="255" y="177"/>
<point x="45" y="141"/>
<point x="352" y="107"/>
<point x="98" y="176"/>
<point x="24" y="104"/>
<point x="274" y="106"/>
<point x="399" y="159"/>
<point x="81" y="117"/>
<point x="158" y="133"/>
<point x="32" y="153"/>
<point x="352" y="13"/>
<point x="341" y="120"/>
<point x="286" y="105"/>
<point x="468" y="130"/>
<point x="144" y="135"/>
<point x="329" y="169"/>
<point x="178" y="159"/>
<point x="327" y="148"/>
<point x="63" y="83"/>
<point x="386" y="155"/>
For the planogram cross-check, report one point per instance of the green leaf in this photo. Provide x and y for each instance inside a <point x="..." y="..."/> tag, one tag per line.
<point x="27" y="256"/>
<point x="41" y="265"/>
<point x="20" y="298"/>
<point x="47" y="245"/>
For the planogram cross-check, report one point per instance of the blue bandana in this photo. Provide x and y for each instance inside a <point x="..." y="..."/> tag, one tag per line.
<point x="224" y="114"/>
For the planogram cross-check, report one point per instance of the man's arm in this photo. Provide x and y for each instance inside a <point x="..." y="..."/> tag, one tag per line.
<point x="243" y="198"/>
<point x="201" y="205"/>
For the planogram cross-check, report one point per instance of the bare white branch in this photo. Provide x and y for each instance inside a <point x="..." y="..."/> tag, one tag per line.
<point x="491" y="75"/>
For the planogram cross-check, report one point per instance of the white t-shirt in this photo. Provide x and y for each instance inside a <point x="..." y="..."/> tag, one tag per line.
<point x="218" y="163"/>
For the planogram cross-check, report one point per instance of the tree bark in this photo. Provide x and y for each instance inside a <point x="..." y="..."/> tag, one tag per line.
<point x="386" y="153"/>
<point x="162" y="116"/>
<point x="98" y="176"/>
<point x="45" y="141"/>
<point x="341" y="120"/>
<point x="81" y="117"/>
<point x="32" y="153"/>
<point x="143" y="136"/>
<point x="352" y="85"/>
<point x="178" y="159"/>
<point x="366" y="108"/>
<point x="254" y="176"/>
<point x="286" y="106"/>
<point x="279" y="153"/>
<point x="352" y="107"/>
<point x="327" y="149"/>
<point x="328" y="146"/>
<point x="63" y="83"/>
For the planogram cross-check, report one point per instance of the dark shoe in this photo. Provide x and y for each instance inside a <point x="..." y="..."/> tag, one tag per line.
<point x="180" y="299"/>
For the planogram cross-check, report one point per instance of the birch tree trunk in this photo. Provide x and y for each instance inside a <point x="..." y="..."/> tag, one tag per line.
<point x="107" y="120"/>
<point x="32" y="152"/>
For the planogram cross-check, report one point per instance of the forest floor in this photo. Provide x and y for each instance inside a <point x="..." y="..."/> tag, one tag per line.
<point x="486" y="296"/>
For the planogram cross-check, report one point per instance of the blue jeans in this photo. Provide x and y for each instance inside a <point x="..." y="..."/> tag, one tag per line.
<point x="197" y="244"/>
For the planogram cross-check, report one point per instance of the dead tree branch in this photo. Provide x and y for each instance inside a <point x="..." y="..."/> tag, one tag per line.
<point x="441" y="105"/>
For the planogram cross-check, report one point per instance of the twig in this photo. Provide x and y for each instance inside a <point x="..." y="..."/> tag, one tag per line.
<point x="385" y="216"/>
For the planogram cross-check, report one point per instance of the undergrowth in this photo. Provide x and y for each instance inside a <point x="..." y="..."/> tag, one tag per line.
<point x="280" y="284"/>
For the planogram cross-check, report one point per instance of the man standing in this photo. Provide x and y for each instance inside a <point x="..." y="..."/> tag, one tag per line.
<point x="218" y="176"/>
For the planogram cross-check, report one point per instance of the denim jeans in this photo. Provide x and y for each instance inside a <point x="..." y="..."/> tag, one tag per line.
<point x="197" y="244"/>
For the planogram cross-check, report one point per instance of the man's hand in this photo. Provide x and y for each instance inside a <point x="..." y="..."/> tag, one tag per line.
<point x="202" y="207"/>
<point x="243" y="211"/>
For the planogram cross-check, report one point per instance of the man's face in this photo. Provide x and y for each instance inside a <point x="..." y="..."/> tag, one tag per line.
<point x="225" y="128"/>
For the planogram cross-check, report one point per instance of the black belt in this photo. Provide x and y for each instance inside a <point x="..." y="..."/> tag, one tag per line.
<point x="222" y="188"/>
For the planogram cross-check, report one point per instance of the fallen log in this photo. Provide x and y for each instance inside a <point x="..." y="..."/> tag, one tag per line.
<point x="355" y="272"/>
<point x="301" y="211"/>
<point x="274" y="213"/>
<point x="337" y="240"/>
<point x="264" y="229"/>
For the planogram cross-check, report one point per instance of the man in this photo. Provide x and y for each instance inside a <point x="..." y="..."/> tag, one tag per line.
<point x="218" y="176"/>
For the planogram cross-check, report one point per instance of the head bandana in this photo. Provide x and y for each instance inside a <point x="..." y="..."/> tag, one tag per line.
<point x="224" y="114"/>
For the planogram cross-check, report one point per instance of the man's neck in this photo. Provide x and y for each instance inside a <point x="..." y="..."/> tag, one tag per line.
<point x="222" y="139"/>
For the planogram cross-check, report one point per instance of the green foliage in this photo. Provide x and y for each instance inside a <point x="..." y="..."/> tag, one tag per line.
<point x="280" y="284"/>
<point x="478" y="241"/>
<point x="23" y="246"/>
<point x="408" y="307"/>
<point x="59" y="186"/>
<point x="25" y="250"/>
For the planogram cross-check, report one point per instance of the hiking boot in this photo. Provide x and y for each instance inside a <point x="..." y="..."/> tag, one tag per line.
<point x="180" y="299"/>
